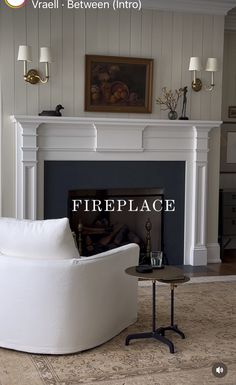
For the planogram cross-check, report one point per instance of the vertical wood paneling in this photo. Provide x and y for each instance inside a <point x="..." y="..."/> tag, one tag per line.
<point x="218" y="50"/>
<point x="197" y="51"/>
<point x="124" y="33"/>
<point x="7" y="68"/>
<point x="79" y="61"/>
<point x="177" y="46"/>
<point x="44" y="36"/>
<point x="146" y="40"/>
<point x="186" y="76"/>
<point x="102" y="32"/>
<point x="146" y="36"/>
<point x="166" y="53"/>
<point x="157" y="25"/>
<point x="170" y="38"/>
<point x="32" y="40"/>
<point x="68" y="62"/>
<point x="20" y="95"/>
<point x="135" y="33"/>
<point x="91" y="32"/>
<point x="113" y="31"/>
<point x="207" y="51"/>
<point x="225" y="76"/>
<point x="124" y="36"/>
<point x="56" y="66"/>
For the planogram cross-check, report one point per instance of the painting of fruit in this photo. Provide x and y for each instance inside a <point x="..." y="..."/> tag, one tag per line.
<point x="118" y="84"/>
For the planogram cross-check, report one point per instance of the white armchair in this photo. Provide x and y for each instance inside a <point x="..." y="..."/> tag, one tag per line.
<point x="68" y="305"/>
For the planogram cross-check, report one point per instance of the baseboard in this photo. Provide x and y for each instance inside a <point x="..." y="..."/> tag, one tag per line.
<point x="213" y="253"/>
<point x="199" y="256"/>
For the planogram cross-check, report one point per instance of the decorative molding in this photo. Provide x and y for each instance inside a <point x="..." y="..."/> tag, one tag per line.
<point x="90" y="138"/>
<point x="211" y="7"/>
<point x="84" y="122"/>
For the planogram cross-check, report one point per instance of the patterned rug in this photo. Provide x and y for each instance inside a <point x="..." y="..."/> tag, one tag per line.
<point x="206" y="312"/>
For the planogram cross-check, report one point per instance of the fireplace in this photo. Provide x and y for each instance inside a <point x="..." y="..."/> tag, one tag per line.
<point x="122" y="179"/>
<point x="106" y="219"/>
<point x="102" y="139"/>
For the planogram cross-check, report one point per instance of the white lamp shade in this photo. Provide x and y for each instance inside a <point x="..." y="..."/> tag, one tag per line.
<point x="195" y="64"/>
<point x="212" y="64"/>
<point x="25" y="53"/>
<point x="45" y="55"/>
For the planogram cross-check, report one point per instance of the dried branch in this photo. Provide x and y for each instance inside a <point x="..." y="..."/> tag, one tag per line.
<point x="169" y="99"/>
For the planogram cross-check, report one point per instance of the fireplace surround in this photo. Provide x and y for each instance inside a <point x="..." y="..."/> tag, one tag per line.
<point x="40" y="139"/>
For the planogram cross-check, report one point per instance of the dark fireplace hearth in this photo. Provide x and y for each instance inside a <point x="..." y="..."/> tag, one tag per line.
<point x="106" y="219"/>
<point x="64" y="178"/>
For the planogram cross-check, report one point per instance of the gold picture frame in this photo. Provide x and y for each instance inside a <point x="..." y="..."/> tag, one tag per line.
<point x="118" y="84"/>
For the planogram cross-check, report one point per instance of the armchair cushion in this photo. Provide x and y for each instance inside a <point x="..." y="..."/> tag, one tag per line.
<point x="46" y="239"/>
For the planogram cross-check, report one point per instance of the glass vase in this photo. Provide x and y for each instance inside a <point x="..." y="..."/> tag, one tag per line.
<point x="172" y="115"/>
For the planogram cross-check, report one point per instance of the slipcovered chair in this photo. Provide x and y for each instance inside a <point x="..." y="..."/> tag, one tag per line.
<point x="66" y="305"/>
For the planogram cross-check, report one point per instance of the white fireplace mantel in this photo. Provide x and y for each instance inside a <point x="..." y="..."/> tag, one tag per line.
<point x="41" y="138"/>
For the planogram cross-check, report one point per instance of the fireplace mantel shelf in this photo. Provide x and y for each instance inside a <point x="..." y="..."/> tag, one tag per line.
<point x="85" y="138"/>
<point x="27" y="119"/>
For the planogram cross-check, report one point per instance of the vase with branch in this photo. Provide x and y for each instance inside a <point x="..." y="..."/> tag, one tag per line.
<point x="169" y="101"/>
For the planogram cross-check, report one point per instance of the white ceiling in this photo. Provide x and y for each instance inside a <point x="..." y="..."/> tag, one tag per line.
<point x="215" y="7"/>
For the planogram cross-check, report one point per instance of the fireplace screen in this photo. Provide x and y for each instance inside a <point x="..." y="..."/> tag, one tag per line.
<point x="106" y="219"/>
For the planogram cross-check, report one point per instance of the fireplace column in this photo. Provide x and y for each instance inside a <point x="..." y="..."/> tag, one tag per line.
<point x="199" y="207"/>
<point x="26" y="166"/>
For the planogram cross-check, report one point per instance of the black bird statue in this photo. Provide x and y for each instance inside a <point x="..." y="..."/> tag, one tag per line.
<point x="55" y="112"/>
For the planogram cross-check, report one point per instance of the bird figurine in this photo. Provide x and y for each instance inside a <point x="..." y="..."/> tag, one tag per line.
<point x="55" y="112"/>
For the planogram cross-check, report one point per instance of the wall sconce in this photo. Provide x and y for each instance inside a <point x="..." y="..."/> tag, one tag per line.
<point x="196" y="65"/>
<point x="32" y="76"/>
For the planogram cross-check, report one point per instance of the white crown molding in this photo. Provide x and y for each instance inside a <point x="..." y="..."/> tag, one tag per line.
<point x="214" y="7"/>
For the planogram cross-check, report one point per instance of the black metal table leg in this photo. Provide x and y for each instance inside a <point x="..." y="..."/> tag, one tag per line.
<point x="172" y="326"/>
<point x="155" y="333"/>
<point x="138" y="336"/>
<point x="153" y="306"/>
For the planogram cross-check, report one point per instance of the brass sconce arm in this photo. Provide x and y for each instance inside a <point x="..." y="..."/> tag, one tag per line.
<point x="197" y="84"/>
<point x="33" y="77"/>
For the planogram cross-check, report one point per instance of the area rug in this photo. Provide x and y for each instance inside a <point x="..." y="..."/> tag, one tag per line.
<point x="206" y="312"/>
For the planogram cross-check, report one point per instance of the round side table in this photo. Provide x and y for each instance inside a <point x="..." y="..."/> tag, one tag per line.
<point x="169" y="274"/>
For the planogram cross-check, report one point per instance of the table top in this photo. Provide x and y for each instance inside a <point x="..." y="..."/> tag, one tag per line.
<point x="169" y="273"/>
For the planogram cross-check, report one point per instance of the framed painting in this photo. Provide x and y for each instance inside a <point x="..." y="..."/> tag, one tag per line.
<point x="228" y="148"/>
<point x="118" y="84"/>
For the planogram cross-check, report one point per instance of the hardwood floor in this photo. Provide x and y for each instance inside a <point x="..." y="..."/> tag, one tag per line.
<point x="212" y="269"/>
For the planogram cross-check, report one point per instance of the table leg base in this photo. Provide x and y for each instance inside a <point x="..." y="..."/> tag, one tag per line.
<point x="173" y="328"/>
<point x="156" y="335"/>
